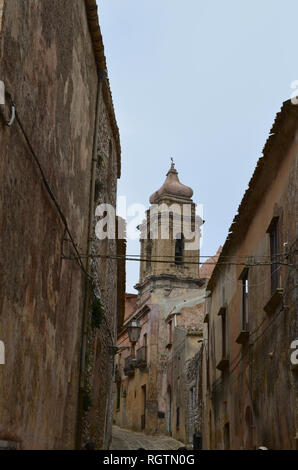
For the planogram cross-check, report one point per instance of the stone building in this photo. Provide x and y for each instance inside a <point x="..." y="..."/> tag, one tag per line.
<point x="250" y="387"/>
<point x="60" y="158"/>
<point x="155" y="388"/>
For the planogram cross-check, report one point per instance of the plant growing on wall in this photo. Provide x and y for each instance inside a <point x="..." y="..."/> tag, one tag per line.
<point x="97" y="189"/>
<point x="87" y="401"/>
<point x="97" y="312"/>
<point x="99" y="159"/>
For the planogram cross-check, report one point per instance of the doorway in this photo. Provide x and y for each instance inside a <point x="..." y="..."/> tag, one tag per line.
<point x="143" y="416"/>
<point x="227" y="436"/>
<point x="169" y="410"/>
<point x="249" y="420"/>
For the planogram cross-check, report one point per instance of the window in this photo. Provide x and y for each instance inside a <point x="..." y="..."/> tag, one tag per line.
<point x="169" y="409"/>
<point x="118" y="397"/>
<point x="1" y="12"/>
<point x="273" y="234"/>
<point x="224" y="361"/>
<point x="210" y="431"/>
<point x="170" y="326"/>
<point x="243" y="336"/>
<point x="145" y="340"/>
<point x="144" y="406"/>
<point x="245" y="301"/>
<point x="177" y="418"/>
<point x="179" y="248"/>
<point x="208" y="357"/>
<point x="227" y="436"/>
<point x="224" y="333"/>
<point x="208" y="372"/>
<point x="2" y="353"/>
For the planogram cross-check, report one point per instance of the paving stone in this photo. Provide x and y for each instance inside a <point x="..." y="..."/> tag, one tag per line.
<point x="124" y="439"/>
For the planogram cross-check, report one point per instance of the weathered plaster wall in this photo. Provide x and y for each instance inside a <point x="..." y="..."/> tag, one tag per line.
<point x="132" y="405"/>
<point x="194" y="398"/>
<point x="47" y="64"/>
<point x="259" y="378"/>
<point x="186" y="374"/>
<point x="163" y="371"/>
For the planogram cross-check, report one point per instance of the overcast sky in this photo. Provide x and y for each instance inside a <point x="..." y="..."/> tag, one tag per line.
<point x="202" y="82"/>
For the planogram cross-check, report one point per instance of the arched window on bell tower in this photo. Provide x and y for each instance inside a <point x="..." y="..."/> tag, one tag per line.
<point x="179" y="249"/>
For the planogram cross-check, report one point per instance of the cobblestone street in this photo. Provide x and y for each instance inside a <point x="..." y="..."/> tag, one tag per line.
<point x="123" y="439"/>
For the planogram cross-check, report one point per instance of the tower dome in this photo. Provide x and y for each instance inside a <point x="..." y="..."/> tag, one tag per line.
<point x="172" y="188"/>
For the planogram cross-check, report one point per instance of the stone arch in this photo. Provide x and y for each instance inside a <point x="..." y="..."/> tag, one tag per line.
<point x="179" y="249"/>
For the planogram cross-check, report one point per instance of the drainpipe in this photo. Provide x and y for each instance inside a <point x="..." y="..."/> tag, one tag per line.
<point x="102" y="75"/>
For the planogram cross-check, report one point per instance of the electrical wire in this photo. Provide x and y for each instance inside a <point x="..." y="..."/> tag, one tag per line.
<point x="80" y="257"/>
<point x="157" y="260"/>
<point x="51" y="194"/>
<point x="60" y="212"/>
<point x="219" y="381"/>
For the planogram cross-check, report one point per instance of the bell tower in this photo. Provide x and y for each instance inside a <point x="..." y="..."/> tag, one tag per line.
<point x="170" y="236"/>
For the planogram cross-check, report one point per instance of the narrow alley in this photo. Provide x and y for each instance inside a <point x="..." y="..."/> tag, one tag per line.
<point x="148" y="229"/>
<point x="123" y="439"/>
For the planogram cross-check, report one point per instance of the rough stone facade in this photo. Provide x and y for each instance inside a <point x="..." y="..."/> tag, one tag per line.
<point x="194" y="395"/>
<point x="250" y="383"/>
<point x="97" y="421"/>
<point x="50" y="67"/>
<point x="187" y="343"/>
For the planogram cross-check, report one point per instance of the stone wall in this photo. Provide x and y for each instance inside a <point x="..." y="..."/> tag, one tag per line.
<point x="186" y="382"/>
<point x="194" y="412"/>
<point x="47" y="63"/>
<point x="102" y="338"/>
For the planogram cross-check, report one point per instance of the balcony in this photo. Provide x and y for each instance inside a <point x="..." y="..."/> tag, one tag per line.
<point x="141" y="359"/>
<point x="206" y="318"/>
<point x="243" y="337"/>
<point x="223" y="365"/>
<point x="274" y="301"/>
<point x="129" y="368"/>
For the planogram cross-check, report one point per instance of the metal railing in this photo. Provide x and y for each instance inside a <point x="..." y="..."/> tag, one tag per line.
<point x="129" y="365"/>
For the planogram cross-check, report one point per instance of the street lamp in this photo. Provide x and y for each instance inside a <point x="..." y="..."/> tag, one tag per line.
<point x="134" y="330"/>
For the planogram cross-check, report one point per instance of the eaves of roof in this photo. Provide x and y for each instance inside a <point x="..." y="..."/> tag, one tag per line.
<point x="278" y="143"/>
<point x="100" y="59"/>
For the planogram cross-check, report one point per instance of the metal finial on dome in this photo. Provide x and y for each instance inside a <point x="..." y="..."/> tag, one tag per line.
<point x="172" y="169"/>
